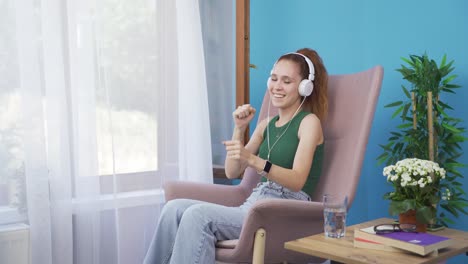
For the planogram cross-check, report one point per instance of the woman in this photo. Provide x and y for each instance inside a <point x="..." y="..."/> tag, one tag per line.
<point x="282" y="149"/>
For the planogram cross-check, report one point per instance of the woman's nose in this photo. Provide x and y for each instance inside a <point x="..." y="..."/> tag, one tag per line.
<point x="277" y="85"/>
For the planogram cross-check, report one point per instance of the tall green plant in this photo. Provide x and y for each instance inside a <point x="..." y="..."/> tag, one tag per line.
<point x="425" y="76"/>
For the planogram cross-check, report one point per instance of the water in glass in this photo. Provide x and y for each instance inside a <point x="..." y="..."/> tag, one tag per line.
<point x="335" y="222"/>
<point x="334" y="214"/>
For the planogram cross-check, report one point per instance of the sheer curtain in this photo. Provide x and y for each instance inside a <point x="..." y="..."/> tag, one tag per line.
<point x="218" y="30"/>
<point x="102" y="102"/>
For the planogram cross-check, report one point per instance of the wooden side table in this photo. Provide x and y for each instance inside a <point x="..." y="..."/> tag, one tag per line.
<point x="342" y="249"/>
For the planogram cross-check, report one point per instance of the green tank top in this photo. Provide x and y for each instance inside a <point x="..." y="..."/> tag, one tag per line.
<point x="284" y="151"/>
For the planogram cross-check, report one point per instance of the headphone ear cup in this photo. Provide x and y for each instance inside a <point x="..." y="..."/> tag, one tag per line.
<point x="306" y="87"/>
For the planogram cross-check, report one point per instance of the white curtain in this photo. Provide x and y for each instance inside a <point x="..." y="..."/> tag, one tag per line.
<point x="218" y="29"/>
<point x="102" y="102"/>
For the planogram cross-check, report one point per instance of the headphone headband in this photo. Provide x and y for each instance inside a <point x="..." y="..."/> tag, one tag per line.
<point x="309" y="63"/>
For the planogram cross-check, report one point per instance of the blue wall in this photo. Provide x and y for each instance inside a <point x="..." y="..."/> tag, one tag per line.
<point x="352" y="36"/>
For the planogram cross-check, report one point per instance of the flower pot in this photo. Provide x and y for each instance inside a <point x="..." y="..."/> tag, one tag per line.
<point x="409" y="217"/>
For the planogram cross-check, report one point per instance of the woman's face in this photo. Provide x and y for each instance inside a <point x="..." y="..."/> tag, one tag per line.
<point x="283" y="84"/>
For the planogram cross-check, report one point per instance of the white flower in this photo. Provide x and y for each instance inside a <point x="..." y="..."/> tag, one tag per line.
<point x="448" y="194"/>
<point x="406" y="177"/>
<point x="442" y="173"/>
<point x="387" y="170"/>
<point x="414" y="172"/>
<point x="422" y="183"/>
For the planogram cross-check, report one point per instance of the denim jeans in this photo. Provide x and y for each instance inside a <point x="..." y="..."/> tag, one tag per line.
<point x="188" y="229"/>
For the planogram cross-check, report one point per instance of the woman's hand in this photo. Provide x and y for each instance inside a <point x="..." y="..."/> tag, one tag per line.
<point x="243" y="115"/>
<point x="238" y="155"/>
<point x="235" y="150"/>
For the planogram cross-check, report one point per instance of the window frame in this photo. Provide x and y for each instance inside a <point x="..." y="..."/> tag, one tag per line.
<point x="242" y="66"/>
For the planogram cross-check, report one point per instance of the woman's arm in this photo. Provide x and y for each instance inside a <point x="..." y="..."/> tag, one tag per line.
<point x="237" y="155"/>
<point x="310" y="135"/>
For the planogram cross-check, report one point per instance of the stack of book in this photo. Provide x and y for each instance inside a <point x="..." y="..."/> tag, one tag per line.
<point x="419" y="243"/>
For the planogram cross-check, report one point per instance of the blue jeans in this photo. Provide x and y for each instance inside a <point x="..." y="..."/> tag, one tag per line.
<point x="188" y="229"/>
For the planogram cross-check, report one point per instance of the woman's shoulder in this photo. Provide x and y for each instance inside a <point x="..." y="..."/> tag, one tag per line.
<point x="308" y="117"/>
<point x="311" y="125"/>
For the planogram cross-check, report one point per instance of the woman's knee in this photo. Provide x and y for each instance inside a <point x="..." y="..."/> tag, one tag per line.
<point x="175" y="207"/>
<point x="197" y="214"/>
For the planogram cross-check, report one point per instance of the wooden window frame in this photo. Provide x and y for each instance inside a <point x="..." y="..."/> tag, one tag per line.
<point x="242" y="51"/>
<point x="243" y="54"/>
<point x="242" y="65"/>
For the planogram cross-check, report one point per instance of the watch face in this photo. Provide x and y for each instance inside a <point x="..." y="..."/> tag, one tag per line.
<point x="267" y="167"/>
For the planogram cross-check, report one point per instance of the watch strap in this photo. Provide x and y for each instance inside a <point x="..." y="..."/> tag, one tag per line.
<point x="266" y="169"/>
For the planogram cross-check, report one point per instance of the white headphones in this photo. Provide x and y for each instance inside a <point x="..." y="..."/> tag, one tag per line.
<point x="306" y="86"/>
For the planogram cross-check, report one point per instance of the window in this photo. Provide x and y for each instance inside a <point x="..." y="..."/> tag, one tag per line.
<point x="126" y="94"/>
<point x="112" y="107"/>
<point x="12" y="182"/>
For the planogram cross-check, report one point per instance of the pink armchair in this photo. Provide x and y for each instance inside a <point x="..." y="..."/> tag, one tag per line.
<point x="270" y="223"/>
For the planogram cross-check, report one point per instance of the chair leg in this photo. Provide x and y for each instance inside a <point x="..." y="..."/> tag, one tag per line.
<point x="259" y="247"/>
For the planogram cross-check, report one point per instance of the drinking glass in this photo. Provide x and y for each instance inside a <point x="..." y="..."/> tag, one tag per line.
<point x="334" y="215"/>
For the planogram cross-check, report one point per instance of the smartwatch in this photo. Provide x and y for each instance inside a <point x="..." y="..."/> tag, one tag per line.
<point x="266" y="169"/>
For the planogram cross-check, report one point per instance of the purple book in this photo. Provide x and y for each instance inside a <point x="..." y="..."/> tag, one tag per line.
<point x="420" y="243"/>
<point x="422" y="239"/>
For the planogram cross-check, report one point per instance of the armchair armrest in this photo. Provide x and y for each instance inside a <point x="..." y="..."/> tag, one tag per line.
<point x="285" y="208"/>
<point x="227" y="195"/>
<point x="289" y="219"/>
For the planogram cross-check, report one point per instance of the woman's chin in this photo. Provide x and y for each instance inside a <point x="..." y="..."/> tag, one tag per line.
<point x="277" y="102"/>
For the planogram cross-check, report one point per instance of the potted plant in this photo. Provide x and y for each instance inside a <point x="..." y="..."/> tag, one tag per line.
<point x="416" y="185"/>
<point x="428" y="132"/>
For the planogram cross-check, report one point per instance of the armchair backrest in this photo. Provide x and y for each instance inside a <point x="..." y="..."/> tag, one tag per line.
<point x="352" y="100"/>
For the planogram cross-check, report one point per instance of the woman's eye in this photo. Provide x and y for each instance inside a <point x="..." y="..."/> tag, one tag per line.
<point x="273" y="79"/>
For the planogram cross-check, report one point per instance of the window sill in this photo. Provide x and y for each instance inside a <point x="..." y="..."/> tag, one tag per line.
<point x="118" y="200"/>
<point x="10" y="215"/>
<point x="219" y="172"/>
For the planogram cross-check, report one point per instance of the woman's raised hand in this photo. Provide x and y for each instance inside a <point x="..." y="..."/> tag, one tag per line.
<point x="243" y="115"/>
<point x="236" y="150"/>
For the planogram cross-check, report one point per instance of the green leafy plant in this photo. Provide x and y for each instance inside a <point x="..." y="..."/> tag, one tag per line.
<point x="413" y="138"/>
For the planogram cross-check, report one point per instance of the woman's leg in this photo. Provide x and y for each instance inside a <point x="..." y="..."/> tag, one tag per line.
<point x="200" y="227"/>
<point x="160" y="249"/>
